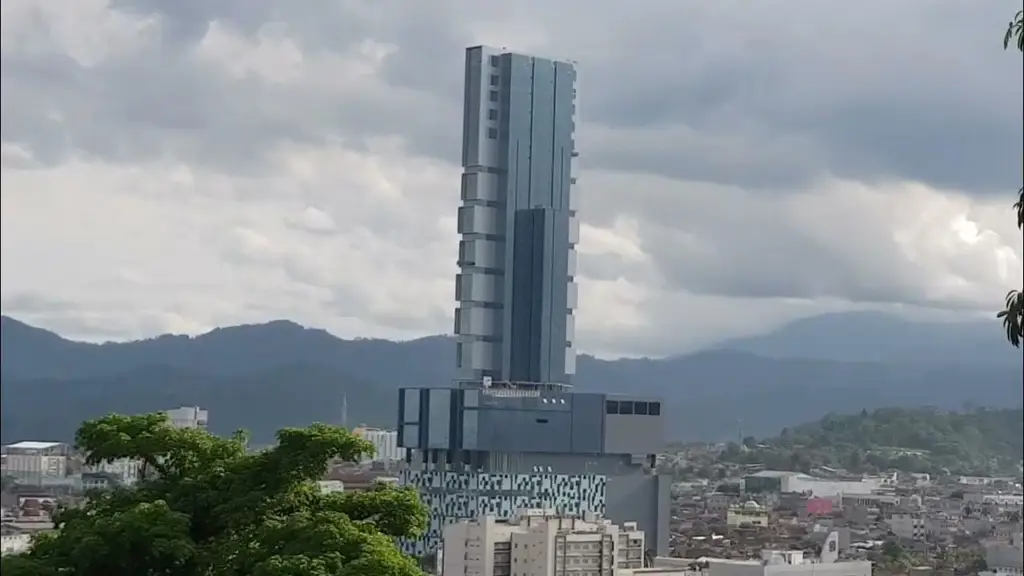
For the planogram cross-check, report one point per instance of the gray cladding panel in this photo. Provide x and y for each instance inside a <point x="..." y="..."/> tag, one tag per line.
<point x="471" y="107"/>
<point x="588" y="423"/>
<point x="539" y="300"/>
<point x="633" y="434"/>
<point x="644" y="499"/>
<point x="439" y="419"/>
<point x="535" y="430"/>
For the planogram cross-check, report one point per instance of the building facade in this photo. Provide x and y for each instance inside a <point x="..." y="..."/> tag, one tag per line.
<point x="494" y="451"/>
<point x="515" y="290"/>
<point x="773" y="481"/>
<point x="385" y="444"/>
<point x="189" y="417"/>
<point x="541" y="543"/>
<point x="748" y="513"/>
<point x="35" y="463"/>
<point x="511" y="434"/>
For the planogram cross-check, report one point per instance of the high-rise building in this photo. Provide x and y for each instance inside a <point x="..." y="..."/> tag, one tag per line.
<point x="517" y="221"/>
<point x="511" y="435"/>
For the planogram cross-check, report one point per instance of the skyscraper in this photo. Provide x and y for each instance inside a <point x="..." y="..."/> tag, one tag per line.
<point x="511" y="435"/>
<point x="517" y="221"/>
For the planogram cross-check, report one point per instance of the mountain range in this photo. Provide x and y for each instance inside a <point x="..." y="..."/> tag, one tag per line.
<point x="266" y="376"/>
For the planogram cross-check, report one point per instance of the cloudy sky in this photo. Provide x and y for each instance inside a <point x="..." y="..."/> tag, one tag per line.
<point x="175" y="166"/>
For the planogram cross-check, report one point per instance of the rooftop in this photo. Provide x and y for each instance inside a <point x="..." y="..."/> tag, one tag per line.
<point x="774" y="474"/>
<point x="31" y="445"/>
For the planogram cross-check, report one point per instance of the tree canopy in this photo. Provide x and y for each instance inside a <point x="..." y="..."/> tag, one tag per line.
<point x="207" y="507"/>
<point x="1013" y="314"/>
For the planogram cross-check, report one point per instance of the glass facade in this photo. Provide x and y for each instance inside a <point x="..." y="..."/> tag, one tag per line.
<point x="518" y="153"/>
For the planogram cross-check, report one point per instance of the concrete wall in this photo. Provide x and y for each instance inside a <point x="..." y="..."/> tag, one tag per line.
<point x="644" y="499"/>
<point x="631" y="428"/>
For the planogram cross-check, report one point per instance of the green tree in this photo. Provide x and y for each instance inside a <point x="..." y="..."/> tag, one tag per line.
<point x="1013" y="314"/>
<point x="206" y="507"/>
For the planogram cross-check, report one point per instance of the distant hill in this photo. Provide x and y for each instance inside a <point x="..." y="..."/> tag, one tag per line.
<point x="262" y="377"/>
<point x="981" y="441"/>
<point x="878" y="337"/>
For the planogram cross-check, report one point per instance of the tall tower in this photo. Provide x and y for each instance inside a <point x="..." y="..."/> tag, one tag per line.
<point x="517" y="222"/>
<point x="512" y="434"/>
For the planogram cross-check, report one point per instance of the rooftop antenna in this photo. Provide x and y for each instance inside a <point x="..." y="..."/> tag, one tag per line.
<point x="344" y="411"/>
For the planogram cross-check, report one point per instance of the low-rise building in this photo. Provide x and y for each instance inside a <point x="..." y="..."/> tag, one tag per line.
<point x="385" y="444"/>
<point x="1005" y="558"/>
<point x="189" y="417"/>
<point x="33" y="463"/>
<point x="776" y="481"/>
<point x="540" y="543"/>
<point x="908" y="525"/>
<point x="15" y="543"/>
<point x="123" y="471"/>
<point x="771" y="563"/>
<point x="749" y="513"/>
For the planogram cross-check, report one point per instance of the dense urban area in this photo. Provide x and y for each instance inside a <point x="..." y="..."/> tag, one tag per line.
<point x="726" y="506"/>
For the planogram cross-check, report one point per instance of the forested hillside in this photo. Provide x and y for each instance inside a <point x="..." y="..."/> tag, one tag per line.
<point x="980" y="441"/>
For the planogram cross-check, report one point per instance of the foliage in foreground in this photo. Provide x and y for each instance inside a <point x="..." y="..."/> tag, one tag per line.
<point x="913" y="440"/>
<point x="1013" y="313"/>
<point x="208" y="508"/>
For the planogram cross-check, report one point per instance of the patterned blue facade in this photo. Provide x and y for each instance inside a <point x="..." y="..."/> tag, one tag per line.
<point x="455" y="496"/>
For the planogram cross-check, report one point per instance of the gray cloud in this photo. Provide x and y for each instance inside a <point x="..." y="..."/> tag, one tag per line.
<point x="751" y="96"/>
<point x="734" y="154"/>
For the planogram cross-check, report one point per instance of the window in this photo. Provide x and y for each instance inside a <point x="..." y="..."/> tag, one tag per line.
<point x="495" y="61"/>
<point x="492" y="114"/>
<point x="494" y="96"/>
<point x="611" y="407"/>
<point x="495" y="79"/>
<point x="492" y="133"/>
<point x="625" y="407"/>
<point x="640" y="408"/>
<point x="654" y="409"/>
<point x="411" y="436"/>
<point x="412" y="405"/>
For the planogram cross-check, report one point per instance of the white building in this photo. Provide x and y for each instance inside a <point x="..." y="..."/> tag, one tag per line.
<point x="188" y="417"/>
<point x="771" y="563"/>
<point x="792" y="563"/>
<point x="35" y="462"/>
<point x="541" y="543"/>
<point x="11" y="544"/>
<point x="780" y="481"/>
<point x="124" y="471"/>
<point x="1007" y="501"/>
<point x="385" y="444"/>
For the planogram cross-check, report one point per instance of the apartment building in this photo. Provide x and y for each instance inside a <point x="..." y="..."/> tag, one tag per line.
<point x="541" y="543"/>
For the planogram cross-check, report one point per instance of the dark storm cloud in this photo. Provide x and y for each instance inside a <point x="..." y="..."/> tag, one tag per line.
<point x="728" y="93"/>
